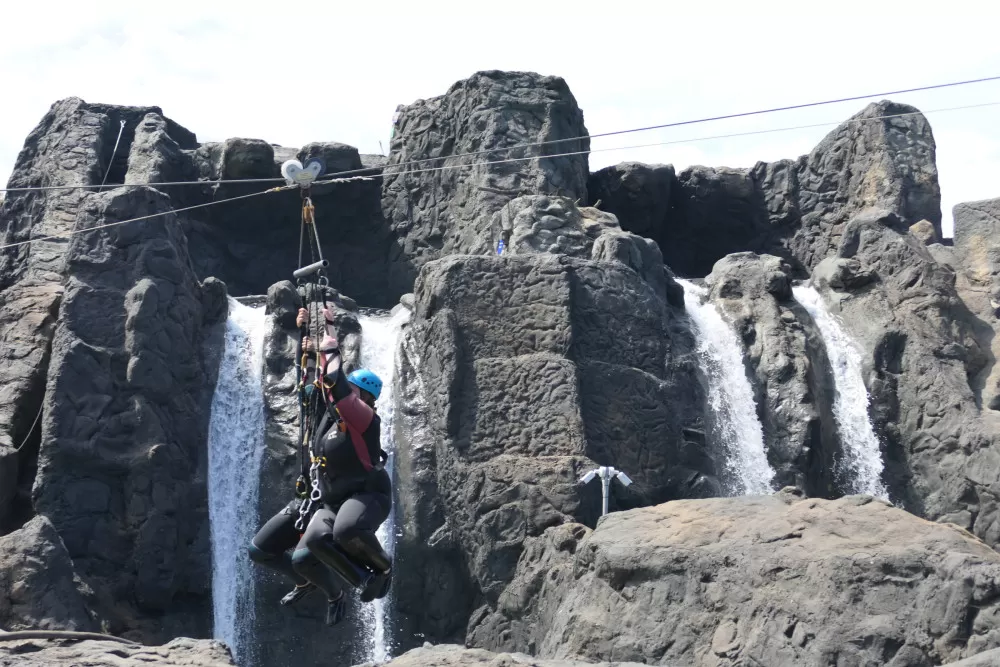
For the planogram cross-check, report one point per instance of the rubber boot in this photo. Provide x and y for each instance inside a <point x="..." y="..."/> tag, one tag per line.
<point x="366" y="550"/>
<point x="331" y="555"/>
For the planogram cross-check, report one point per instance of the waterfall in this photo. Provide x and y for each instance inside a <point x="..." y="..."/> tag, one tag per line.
<point x="235" y="445"/>
<point x="860" y="469"/>
<point x="730" y="397"/>
<point x="379" y="337"/>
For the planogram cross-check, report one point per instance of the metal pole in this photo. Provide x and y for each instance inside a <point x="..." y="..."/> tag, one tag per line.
<point x="605" y="488"/>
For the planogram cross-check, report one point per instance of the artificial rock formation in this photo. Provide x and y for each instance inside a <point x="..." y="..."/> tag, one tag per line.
<point x="770" y="580"/>
<point x="883" y="157"/>
<point x="121" y="469"/>
<point x="436" y="213"/>
<point x="922" y="354"/>
<point x="787" y="366"/>
<point x="517" y="374"/>
<point x="38" y="586"/>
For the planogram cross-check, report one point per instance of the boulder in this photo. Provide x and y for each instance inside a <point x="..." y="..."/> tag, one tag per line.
<point x="453" y="655"/>
<point x="770" y="580"/>
<point x="181" y="652"/>
<point x="38" y="587"/>
<point x="437" y="213"/>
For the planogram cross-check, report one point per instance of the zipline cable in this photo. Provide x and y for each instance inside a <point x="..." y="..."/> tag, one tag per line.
<point x="491" y="162"/>
<point x="556" y="141"/>
<point x="64" y="237"/>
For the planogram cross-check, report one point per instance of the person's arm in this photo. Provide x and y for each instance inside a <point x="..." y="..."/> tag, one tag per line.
<point x="356" y="413"/>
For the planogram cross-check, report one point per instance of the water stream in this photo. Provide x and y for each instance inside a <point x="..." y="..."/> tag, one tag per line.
<point x="860" y="468"/>
<point x="730" y="397"/>
<point x="379" y="338"/>
<point x="235" y="445"/>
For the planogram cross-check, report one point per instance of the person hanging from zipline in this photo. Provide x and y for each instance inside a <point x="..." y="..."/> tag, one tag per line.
<point x="331" y="526"/>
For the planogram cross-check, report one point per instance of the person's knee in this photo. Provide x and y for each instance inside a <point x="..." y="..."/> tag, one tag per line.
<point x="258" y="555"/>
<point x="303" y="560"/>
<point x="343" y="533"/>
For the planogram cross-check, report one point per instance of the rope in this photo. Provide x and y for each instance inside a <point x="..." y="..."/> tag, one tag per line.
<point x="144" y="217"/>
<point x="111" y="162"/>
<point x="556" y="141"/>
<point x="220" y="182"/>
<point x="31" y="430"/>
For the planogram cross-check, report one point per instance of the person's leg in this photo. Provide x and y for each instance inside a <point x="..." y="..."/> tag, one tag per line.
<point x="321" y="544"/>
<point x="269" y="547"/>
<point x="305" y="562"/>
<point x="312" y="568"/>
<point x="354" y="531"/>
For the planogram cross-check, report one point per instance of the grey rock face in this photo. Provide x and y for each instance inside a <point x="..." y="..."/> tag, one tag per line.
<point x="758" y="580"/>
<point x="437" y="213"/>
<point x="922" y="355"/>
<point x="38" y="587"/>
<point x="542" y="223"/>
<point x="250" y="244"/>
<point x="182" y="652"/>
<point x="977" y="257"/>
<point x="72" y="145"/>
<point x="638" y="194"/>
<point x="787" y="366"/>
<point x="517" y="374"/>
<point x="795" y="209"/>
<point x="121" y="471"/>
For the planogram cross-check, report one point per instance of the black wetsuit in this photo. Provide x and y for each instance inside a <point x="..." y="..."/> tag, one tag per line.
<point x="356" y="499"/>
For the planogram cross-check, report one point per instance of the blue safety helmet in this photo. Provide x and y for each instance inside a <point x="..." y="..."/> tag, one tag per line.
<point x="365" y="379"/>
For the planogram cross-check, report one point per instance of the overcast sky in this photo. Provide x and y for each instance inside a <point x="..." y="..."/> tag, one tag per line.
<point x="291" y="73"/>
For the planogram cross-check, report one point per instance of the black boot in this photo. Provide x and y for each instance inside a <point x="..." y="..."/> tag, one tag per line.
<point x="378" y="587"/>
<point x="365" y="549"/>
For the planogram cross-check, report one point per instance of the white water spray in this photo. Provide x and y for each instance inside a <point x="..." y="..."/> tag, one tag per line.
<point x="235" y="445"/>
<point x="379" y="338"/>
<point x="861" y="467"/>
<point x="730" y="396"/>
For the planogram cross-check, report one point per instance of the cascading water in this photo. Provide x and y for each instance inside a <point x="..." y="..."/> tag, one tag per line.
<point x="861" y="467"/>
<point x="235" y="445"/>
<point x="730" y="397"/>
<point x="379" y="338"/>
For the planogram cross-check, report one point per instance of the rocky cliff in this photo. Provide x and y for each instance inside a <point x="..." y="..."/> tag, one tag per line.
<point x="881" y="157"/>
<point x="521" y="368"/>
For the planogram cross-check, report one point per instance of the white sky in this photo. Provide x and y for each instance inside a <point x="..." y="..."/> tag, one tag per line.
<point x="296" y="72"/>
